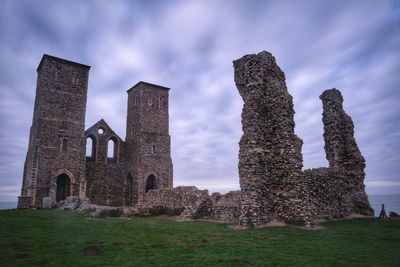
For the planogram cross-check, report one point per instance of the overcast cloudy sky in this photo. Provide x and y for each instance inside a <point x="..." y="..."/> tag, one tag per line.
<point x="189" y="46"/>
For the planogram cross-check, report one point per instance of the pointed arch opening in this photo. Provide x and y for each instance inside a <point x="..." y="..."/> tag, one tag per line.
<point x="151" y="183"/>
<point x="91" y="145"/>
<point x="63" y="187"/>
<point x="112" y="148"/>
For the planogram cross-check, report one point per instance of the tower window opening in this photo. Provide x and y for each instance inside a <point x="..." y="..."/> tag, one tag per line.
<point x="75" y="80"/>
<point x="57" y="76"/>
<point x="64" y="145"/>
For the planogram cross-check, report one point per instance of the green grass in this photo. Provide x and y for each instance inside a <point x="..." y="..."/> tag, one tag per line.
<point x="59" y="238"/>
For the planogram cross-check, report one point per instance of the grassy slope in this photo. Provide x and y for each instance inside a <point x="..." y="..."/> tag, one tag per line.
<point x="57" y="238"/>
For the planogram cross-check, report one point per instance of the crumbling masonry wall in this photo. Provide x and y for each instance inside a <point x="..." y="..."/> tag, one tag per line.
<point x="270" y="160"/>
<point x="194" y="203"/>
<point x="342" y="152"/>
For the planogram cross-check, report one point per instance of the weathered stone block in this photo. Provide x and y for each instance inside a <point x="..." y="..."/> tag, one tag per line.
<point x="47" y="203"/>
<point x="71" y="203"/>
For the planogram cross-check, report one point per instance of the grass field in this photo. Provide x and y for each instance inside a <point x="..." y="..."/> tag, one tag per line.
<point x="62" y="238"/>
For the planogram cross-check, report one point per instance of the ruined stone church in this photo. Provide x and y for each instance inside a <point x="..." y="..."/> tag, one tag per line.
<point x="137" y="173"/>
<point x="115" y="172"/>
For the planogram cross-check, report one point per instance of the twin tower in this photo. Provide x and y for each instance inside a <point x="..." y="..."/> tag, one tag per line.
<point x="65" y="160"/>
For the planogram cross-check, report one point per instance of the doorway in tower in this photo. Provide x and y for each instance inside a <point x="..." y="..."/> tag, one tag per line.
<point x="150" y="183"/>
<point x="63" y="187"/>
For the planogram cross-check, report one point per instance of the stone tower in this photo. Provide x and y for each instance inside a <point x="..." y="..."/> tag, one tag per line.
<point x="147" y="139"/>
<point x="55" y="159"/>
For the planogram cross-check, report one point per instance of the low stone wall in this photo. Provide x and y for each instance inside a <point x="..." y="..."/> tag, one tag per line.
<point x="327" y="191"/>
<point x="175" y="198"/>
<point x="195" y="203"/>
<point x="226" y="207"/>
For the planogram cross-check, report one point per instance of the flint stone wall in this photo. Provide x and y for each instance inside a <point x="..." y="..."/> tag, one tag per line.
<point x="342" y="151"/>
<point x="178" y="197"/>
<point x="195" y="203"/>
<point x="270" y="160"/>
<point x="327" y="192"/>
<point x="225" y="207"/>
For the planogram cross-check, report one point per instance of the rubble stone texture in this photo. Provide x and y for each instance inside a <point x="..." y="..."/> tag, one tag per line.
<point x="115" y="172"/>
<point x="342" y="151"/>
<point x="272" y="183"/>
<point x="270" y="158"/>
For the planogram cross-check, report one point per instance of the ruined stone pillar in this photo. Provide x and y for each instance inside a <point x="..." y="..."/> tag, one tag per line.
<point x="270" y="159"/>
<point x="342" y="151"/>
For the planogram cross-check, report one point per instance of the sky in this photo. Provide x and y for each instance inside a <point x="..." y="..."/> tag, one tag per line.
<point x="189" y="46"/>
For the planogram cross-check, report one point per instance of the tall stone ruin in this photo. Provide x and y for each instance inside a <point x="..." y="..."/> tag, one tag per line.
<point x="341" y="149"/>
<point x="138" y="171"/>
<point x="270" y="158"/>
<point x="273" y="186"/>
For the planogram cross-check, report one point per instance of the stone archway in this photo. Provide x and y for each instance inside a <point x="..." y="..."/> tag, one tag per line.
<point x="151" y="183"/>
<point x="63" y="189"/>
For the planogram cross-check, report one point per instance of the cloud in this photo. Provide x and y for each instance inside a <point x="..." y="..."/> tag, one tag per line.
<point x="189" y="46"/>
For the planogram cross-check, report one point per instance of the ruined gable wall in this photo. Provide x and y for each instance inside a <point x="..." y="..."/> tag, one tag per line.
<point x="105" y="176"/>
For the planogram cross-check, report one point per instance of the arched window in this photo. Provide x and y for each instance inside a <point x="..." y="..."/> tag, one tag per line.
<point x="64" y="146"/>
<point x="57" y="76"/>
<point x="112" y="149"/>
<point x="75" y="79"/>
<point x="90" y="148"/>
<point x="150" y="183"/>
